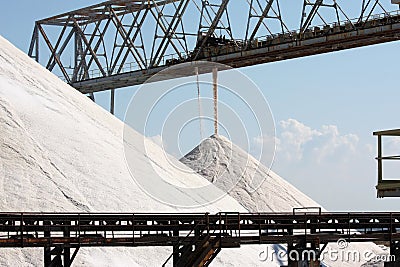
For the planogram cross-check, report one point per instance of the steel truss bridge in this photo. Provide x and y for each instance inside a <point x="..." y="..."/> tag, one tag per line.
<point x="196" y="239"/>
<point x="121" y="43"/>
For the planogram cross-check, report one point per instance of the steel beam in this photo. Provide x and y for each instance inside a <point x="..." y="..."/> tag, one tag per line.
<point x="62" y="49"/>
<point x="54" y="53"/>
<point x="214" y="23"/>
<point x="88" y="44"/>
<point x="34" y="45"/>
<point x="261" y="19"/>
<point x="99" y="42"/>
<point x="138" y="26"/>
<point x="127" y="40"/>
<point x="169" y="33"/>
<point x="66" y="76"/>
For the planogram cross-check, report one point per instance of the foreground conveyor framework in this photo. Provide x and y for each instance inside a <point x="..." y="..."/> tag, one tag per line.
<point x="197" y="238"/>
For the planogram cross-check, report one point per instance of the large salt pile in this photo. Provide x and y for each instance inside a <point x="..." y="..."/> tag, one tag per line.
<point x="233" y="170"/>
<point x="61" y="152"/>
<point x="220" y="161"/>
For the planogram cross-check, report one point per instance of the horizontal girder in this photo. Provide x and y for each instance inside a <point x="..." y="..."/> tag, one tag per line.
<point x="95" y="12"/>
<point x="95" y="229"/>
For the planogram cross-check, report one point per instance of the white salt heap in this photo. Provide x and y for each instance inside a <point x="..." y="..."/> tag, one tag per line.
<point x="61" y="152"/>
<point x="224" y="163"/>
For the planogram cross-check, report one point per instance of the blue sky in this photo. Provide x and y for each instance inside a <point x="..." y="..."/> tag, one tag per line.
<point x="325" y="108"/>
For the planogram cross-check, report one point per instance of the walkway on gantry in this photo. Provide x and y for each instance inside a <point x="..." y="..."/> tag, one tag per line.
<point x="195" y="238"/>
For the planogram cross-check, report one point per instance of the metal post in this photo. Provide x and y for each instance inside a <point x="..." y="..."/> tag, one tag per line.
<point x="112" y="103"/>
<point x="52" y="50"/>
<point x="37" y="44"/>
<point x="67" y="256"/>
<point x="380" y="178"/>
<point x="394" y="252"/>
<point x="67" y="250"/>
<point x="76" y="56"/>
<point x="47" y="249"/>
<point x="34" y="45"/>
<point x="47" y="256"/>
<point x="175" y="249"/>
<point x="91" y="97"/>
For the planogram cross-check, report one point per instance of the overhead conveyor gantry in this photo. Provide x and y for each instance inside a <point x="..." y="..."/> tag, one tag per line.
<point x="122" y="43"/>
<point x="62" y="233"/>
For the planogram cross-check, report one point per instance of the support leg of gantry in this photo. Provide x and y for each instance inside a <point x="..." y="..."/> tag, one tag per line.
<point x="67" y="257"/>
<point x="176" y="256"/>
<point x="47" y="249"/>
<point x="59" y="256"/>
<point x="112" y="101"/>
<point x="315" y="256"/>
<point x="53" y="256"/>
<point x="47" y="256"/>
<point x="393" y="259"/>
<point x="301" y="255"/>
<point x="201" y="252"/>
<point x="91" y="96"/>
<point x="67" y="249"/>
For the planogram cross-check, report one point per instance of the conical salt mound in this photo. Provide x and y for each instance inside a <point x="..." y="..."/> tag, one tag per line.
<point x="230" y="168"/>
<point x="234" y="171"/>
<point x="61" y="152"/>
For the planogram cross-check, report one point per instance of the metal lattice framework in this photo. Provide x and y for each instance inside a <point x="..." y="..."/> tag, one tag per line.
<point x="197" y="238"/>
<point x="123" y="42"/>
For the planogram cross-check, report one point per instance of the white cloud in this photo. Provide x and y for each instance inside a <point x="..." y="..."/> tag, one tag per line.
<point x="332" y="143"/>
<point x="296" y="142"/>
<point x="294" y="136"/>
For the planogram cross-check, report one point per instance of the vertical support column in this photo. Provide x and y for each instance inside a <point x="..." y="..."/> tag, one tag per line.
<point x="290" y="247"/>
<point x="37" y="44"/>
<point x="47" y="249"/>
<point x="67" y="249"/>
<point x="76" y="56"/>
<point x="380" y="175"/>
<point x="215" y="89"/>
<point x="34" y="46"/>
<point x="303" y="255"/>
<point x="67" y="256"/>
<point x="47" y="256"/>
<point x="81" y="70"/>
<point x="316" y="261"/>
<point x="175" y="247"/>
<point x="395" y="253"/>
<point x="91" y="96"/>
<point x="112" y="101"/>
